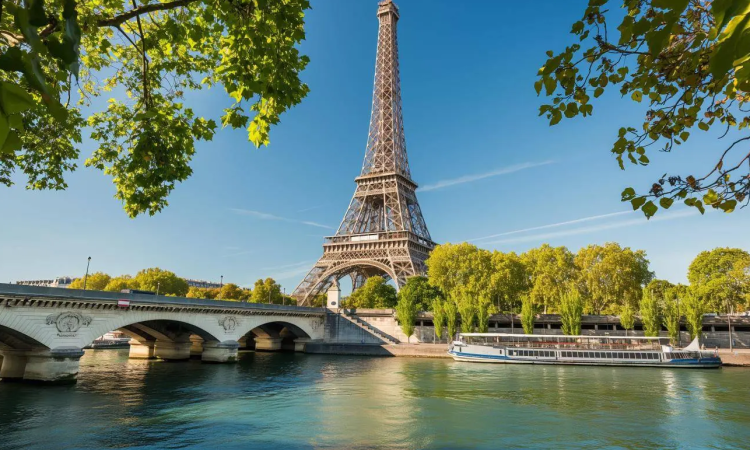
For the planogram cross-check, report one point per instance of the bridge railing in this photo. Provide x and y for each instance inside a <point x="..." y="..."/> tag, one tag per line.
<point x="17" y="290"/>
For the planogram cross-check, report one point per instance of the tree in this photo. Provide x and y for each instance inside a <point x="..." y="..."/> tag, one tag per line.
<point x="627" y="317"/>
<point x="451" y="318"/>
<point x="689" y="60"/>
<point x="659" y="288"/>
<point x="118" y="284"/>
<point x="571" y="309"/>
<point x="671" y="315"/>
<point x="319" y="300"/>
<point x="162" y="281"/>
<point x="375" y="293"/>
<point x="694" y="309"/>
<point x="267" y="291"/>
<point x="527" y="314"/>
<point x="650" y="314"/>
<point x="438" y="317"/>
<point x="467" y="309"/>
<point x="483" y="315"/>
<point x="458" y="268"/>
<point x="508" y="280"/>
<point x="420" y="291"/>
<point x="153" y="52"/>
<point x="196" y="292"/>
<point x="611" y="276"/>
<point x="550" y="270"/>
<point x="230" y="291"/>
<point x="406" y="313"/>
<point x="721" y="278"/>
<point x="95" y="282"/>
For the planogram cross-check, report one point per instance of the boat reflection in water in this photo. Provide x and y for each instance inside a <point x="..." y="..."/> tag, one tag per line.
<point x="579" y="350"/>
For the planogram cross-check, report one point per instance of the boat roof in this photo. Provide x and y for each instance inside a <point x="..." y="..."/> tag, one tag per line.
<point x="561" y="336"/>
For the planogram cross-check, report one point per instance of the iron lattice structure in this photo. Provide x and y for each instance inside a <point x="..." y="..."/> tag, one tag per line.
<point x="383" y="231"/>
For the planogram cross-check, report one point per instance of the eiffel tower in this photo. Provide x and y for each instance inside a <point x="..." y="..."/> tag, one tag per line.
<point x="383" y="231"/>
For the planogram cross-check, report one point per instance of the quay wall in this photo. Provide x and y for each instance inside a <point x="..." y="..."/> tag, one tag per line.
<point x="714" y="335"/>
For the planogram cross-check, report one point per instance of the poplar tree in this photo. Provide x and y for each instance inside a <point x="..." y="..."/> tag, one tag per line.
<point x="650" y="314"/>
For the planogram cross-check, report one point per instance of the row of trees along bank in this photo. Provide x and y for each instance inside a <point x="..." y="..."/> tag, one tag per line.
<point x="165" y="282"/>
<point x="466" y="284"/>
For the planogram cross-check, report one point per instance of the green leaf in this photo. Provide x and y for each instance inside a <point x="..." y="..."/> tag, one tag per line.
<point x="728" y="206"/>
<point x="684" y="135"/>
<point x="628" y="194"/>
<point x="12" y="143"/>
<point x="666" y="202"/>
<point x="638" y="202"/>
<point x="538" y="86"/>
<point x="4" y="129"/>
<point x="37" y="16"/>
<point x="649" y="209"/>
<point x="637" y="96"/>
<point x="12" y="60"/>
<point x="703" y="126"/>
<point x="598" y="91"/>
<point x="550" y="84"/>
<point x="14" y="98"/>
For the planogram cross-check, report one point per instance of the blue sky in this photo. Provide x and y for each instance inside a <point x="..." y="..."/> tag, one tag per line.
<point x="491" y="171"/>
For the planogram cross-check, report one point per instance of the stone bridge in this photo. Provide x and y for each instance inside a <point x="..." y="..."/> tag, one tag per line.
<point x="43" y="330"/>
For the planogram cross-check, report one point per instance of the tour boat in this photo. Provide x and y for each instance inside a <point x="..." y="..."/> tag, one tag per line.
<point x="579" y="350"/>
<point x="112" y="339"/>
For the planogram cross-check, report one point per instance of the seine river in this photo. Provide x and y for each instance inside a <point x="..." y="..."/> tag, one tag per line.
<point x="297" y="401"/>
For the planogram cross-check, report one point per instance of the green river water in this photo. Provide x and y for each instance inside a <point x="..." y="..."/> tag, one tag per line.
<point x="298" y="401"/>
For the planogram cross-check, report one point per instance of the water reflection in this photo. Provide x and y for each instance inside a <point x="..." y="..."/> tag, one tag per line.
<point x="314" y="401"/>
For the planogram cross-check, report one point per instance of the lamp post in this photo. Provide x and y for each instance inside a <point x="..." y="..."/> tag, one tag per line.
<point x="158" y="283"/>
<point x="86" y="278"/>
<point x="283" y="298"/>
<point x="221" y="285"/>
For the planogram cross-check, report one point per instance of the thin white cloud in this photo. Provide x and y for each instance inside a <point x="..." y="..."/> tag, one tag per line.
<point x="552" y="225"/>
<point x="310" y="208"/>
<point x="267" y="216"/>
<point x="594" y="229"/>
<point x="471" y="178"/>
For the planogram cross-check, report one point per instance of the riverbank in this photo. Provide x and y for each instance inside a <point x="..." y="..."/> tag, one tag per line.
<point x="398" y="350"/>
<point x="739" y="358"/>
<point x="735" y="357"/>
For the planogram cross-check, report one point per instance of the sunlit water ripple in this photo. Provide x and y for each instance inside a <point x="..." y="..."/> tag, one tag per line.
<point x="296" y="401"/>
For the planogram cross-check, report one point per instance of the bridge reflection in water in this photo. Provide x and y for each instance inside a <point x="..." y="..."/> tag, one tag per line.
<point x="43" y="330"/>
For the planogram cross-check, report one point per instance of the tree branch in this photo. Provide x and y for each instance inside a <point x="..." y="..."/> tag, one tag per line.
<point x="135" y="12"/>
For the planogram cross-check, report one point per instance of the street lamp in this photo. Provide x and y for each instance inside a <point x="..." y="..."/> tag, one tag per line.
<point x="158" y="283"/>
<point x="221" y="283"/>
<point x="86" y="278"/>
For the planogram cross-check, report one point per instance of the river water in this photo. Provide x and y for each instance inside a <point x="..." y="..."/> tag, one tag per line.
<point x="298" y="401"/>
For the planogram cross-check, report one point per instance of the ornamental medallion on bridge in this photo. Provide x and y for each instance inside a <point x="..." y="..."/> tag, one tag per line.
<point x="68" y="323"/>
<point x="229" y="323"/>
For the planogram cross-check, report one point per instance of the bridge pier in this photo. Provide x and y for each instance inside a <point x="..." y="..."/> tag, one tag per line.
<point x="196" y="347"/>
<point x="13" y="365"/>
<point x="267" y="343"/>
<point x="172" y="351"/>
<point x="142" y="349"/>
<point x="300" y="343"/>
<point x="220" y="352"/>
<point x="56" y="366"/>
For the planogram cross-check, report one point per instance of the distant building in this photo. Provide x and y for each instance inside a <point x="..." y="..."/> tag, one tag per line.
<point x="202" y="284"/>
<point x="59" y="282"/>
